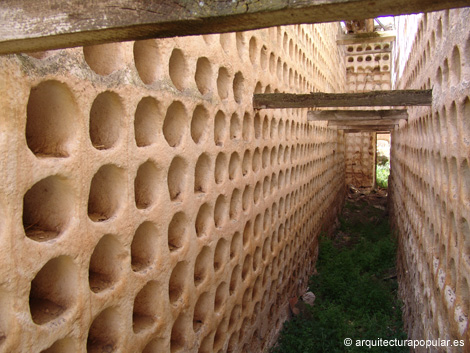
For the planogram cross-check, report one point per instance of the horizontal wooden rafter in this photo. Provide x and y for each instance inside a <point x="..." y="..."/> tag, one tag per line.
<point x="27" y="25"/>
<point x="366" y="127"/>
<point x="369" y="37"/>
<point x="366" y="99"/>
<point x="364" y="122"/>
<point x="342" y="115"/>
<point x="355" y="131"/>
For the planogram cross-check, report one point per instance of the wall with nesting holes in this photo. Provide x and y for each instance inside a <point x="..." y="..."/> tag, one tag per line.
<point x="146" y="207"/>
<point x="430" y="176"/>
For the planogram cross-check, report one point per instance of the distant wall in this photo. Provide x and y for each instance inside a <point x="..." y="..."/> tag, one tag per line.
<point x="430" y="177"/>
<point x="146" y="207"/>
<point x="360" y="159"/>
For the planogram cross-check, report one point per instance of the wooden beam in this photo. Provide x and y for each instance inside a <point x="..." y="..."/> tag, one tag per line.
<point x="27" y="25"/>
<point x="367" y="99"/>
<point x="368" y="37"/>
<point x="366" y="127"/>
<point x="364" y="122"/>
<point x="352" y="131"/>
<point x="339" y="115"/>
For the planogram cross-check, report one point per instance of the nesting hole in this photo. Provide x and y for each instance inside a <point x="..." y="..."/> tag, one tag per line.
<point x="235" y="204"/>
<point x="53" y="290"/>
<point x="253" y="50"/>
<point x="146" y="306"/>
<point x="47" y="208"/>
<point x="220" y="172"/>
<point x="246" y="163"/>
<point x="105" y="263"/>
<point x="238" y="87"/>
<point x="220" y="128"/>
<point x="178" y="69"/>
<point x="203" y="75"/>
<point x="256" y="164"/>
<point x="234" y="167"/>
<point x="257" y="258"/>
<point x="247" y="264"/>
<point x="247" y="233"/>
<point x="106" y="194"/>
<point x="257" y="226"/>
<point x="144" y="247"/>
<point x="264" y="57"/>
<point x="177" y="283"/>
<point x="272" y="63"/>
<point x="235" y="127"/>
<point x="221" y="295"/>
<point x="223" y="83"/>
<point x="51" y="124"/>
<point x="202" y="311"/>
<point x="199" y="124"/>
<point x="265" y="128"/>
<point x="257" y="126"/>
<point x="241" y="45"/>
<point x="221" y="211"/>
<point x="246" y="198"/>
<point x="221" y="254"/>
<point x="103" y="335"/>
<point x="147" y="60"/>
<point x="235" y="245"/>
<point x="234" y="279"/>
<point x="106" y="116"/>
<point x="175" y="124"/>
<point x="204" y="220"/>
<point x="104" y="59"/>
<point x="220" y="336"/>
<point x="455" y="67"/>
<point x="177" y="174"/>
<point x="246" y="132"/>
<point x="177" y="231"/>
<point x="265" y="157"/>
<point x="257" y="193"/>
<point x="202" y="265"/>
<point x="146" y="119"/>
<point x="226" y="41"/>
<point x="202" y="174"/>
<point x="146" y="185"/>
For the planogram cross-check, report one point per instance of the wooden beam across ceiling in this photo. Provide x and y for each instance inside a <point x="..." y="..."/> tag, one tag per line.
<point x="27" y="25"/>
<point x="343" y="115"/>
<point x="366" y="127"/>
<point x="366" y="99"/>
<point x="355" y="131"/>
<point x="364" y="122"/>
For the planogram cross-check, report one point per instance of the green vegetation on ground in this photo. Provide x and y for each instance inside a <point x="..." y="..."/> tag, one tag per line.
<point x="355" y="288"/>
<point x="382" y="173"/>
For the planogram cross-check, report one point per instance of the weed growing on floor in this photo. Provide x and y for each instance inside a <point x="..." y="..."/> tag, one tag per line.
<point x="382" y="173"/>
<point x="355" y="288"/>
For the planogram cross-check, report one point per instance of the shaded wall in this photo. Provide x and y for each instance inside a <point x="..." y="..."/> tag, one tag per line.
<point x="430" y="176"/>
<point x="146" y="207"/>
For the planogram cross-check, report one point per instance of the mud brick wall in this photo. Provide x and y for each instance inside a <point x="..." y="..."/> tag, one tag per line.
<point x="146" y="207"/>
<point x="368" y="66"/>
<point x="360" y="158"/>
<point x="430" y="177"/>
